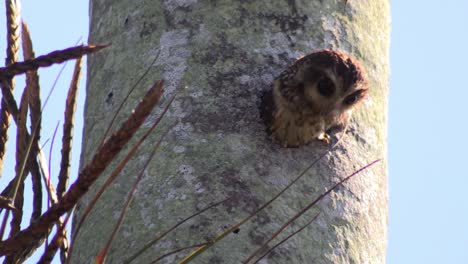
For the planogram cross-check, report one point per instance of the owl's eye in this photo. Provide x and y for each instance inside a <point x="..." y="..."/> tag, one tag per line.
<point x="325" y="87"/>
<point x="350" y="99"/>
<point x="353" y="98"/>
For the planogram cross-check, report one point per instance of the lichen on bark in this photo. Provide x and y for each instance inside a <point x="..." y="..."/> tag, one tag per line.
<point x="221" y="56"/>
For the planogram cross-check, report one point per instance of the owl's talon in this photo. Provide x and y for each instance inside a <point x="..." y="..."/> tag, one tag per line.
<point x="325" y="138"/>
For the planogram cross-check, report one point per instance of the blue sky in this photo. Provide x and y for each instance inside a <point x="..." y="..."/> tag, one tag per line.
<point x="427" y="144"/>
<point x="427" y="132"/>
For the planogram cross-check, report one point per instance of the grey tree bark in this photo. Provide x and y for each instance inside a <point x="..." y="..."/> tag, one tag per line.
<point x="222" y="56"/>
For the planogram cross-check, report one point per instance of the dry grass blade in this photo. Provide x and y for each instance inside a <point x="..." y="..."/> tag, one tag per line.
<point x="6" y="203"/>
<point x="8" y="97"/>
<point x="104" y="155"/>
<point x="20" y="169"/>
<point x="12" y="187"/>
<point x="103" y="253"/>
<point x="34" y="167"/>
<point x="116" y="172"/>
<point x="127" y="96"/>
<point x="8" y="191"/>
<point x="15" y="224"/>
<point x="121" y="165"/>
<point x="305" y="209"/>
<point x="55" y="57"/>
<point x="163" y="234"/>
<point x="53" y="198"/>
<point x="67" y="138"/>
<point x="34" y="99"/>
<point x="231" y="229"/>
<point x="52" y="194"/>
<point x="58" y="241"/>
<point x="37" y="191"/>
<point x="287" y="238"/>
<point x="32" y="82"/>
<point x="4" y="124"/>
<point x="176" y="251"/>
<point x="16" y="220"/>
<point x="8" y="102"/>
<point x="4" y="223"/>
<point x="48" y="183"/>
<point x="62" y="240"/>
<point x="12" y="25"/>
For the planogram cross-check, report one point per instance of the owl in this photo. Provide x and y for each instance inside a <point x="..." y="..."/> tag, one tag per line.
<point x="314" y="94"/>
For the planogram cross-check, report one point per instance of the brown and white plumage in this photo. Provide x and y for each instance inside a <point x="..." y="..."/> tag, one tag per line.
<point x="315" y="94"/>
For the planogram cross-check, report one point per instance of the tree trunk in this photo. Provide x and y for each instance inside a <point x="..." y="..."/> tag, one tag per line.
<point x="221" y="57"/>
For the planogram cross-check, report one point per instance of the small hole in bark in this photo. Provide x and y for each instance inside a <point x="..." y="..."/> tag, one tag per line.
<point x="109" y="97"/>
<point x="266" y="109"/>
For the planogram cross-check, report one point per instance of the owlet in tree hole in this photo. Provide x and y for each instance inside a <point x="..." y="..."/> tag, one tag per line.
<point x="315" y="94"/>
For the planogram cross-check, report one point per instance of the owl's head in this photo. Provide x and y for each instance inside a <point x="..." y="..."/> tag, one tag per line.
<point x="333" y="82"/>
